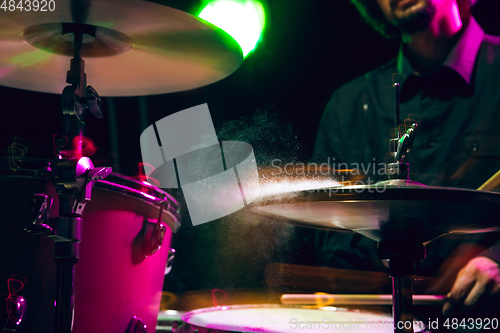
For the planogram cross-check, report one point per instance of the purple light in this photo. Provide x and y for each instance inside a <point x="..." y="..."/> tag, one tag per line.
<point x="6" y="71"/>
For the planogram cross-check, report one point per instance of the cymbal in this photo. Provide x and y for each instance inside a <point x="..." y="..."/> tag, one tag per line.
<point x="139" y="48"/>
<point x="387" y="211"/>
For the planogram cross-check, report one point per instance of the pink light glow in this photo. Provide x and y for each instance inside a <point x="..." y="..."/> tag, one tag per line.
<point x="6" y="71"/>
<point x="14" y="285"/>
<point x="214" y="293"/>
<point x="145" y="170"/>
<point x="456" y="15"/>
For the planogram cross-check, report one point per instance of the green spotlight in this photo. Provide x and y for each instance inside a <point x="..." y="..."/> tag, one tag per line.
<point x="244" y="20"/>
<point x="30" y="58"/>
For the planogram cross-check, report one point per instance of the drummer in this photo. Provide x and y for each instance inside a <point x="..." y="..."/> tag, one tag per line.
<point x="449" y="71"/>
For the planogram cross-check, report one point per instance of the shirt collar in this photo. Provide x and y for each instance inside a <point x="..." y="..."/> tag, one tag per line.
<point x="461" y="59"/>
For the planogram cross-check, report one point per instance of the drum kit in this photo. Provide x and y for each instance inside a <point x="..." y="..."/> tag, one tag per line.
<point x="112" y="233"/>
<point x="115" y="276"/>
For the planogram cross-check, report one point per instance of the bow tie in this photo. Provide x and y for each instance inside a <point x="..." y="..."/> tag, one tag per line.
<point x="444" y="84"/>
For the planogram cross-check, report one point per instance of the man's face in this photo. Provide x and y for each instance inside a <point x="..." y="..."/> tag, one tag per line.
<point x="409" y="15"/>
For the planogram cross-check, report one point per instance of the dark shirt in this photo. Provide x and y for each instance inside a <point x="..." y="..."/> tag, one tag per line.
<point x="457" y="142"/>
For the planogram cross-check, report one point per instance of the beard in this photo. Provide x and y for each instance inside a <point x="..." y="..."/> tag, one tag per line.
<point x="418" y="21"/>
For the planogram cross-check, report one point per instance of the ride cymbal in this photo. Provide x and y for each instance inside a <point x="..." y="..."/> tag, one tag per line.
<point x="130" y="48"/>
<point x="387" y="211"/>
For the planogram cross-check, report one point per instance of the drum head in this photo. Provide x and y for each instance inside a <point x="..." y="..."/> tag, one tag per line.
<point x="275" y="318"/>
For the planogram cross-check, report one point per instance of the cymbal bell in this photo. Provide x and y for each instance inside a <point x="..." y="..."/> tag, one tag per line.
<point x="130" y="48"/>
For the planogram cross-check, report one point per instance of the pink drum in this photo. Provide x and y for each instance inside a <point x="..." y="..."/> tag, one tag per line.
<point x="278" y="319"/>
<point x="123" y="256"/>
<point x="119" y="277"/>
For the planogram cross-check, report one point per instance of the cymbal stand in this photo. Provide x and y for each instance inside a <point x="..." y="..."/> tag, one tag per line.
<point x="74" y="179"/>
<point x="405" y="254"/>
<point x="404" y="261"/>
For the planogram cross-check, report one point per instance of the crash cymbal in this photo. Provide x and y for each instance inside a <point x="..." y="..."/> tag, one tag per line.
<point x="388" y="211"/>
<point x="131" y="48"/>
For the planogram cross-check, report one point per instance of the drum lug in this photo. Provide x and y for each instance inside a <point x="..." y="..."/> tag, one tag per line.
<point x="154" y="233"/>
<point x="41" y="215"/>
<point x="16" y="311"/>
<point x="170" y="261"/>
<point x="153" y="236"/>
<point x="183" y="328"/>
<point x="136" y="326"/>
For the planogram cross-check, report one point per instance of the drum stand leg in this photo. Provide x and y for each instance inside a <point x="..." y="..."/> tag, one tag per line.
<point x="404" y="258"/>
<point x="402" y="292"/>
<point x="67" y="248"/>
<point x="63" y="322"/>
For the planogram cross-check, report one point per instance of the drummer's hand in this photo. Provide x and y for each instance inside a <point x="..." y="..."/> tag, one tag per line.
<point x="476" y="289"/>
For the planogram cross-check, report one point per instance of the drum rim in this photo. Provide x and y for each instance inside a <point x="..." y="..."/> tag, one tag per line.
<point x="186" y="316"/>
<point x="134" y="188"/>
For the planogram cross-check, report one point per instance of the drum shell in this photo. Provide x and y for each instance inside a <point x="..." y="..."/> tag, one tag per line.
<point x="28" y="258"/>
<point x="113" y="280"/>
<point x="110" y="288"/>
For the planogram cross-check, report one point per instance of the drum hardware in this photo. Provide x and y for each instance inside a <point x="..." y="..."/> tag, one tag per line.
<point x="154" y="233"/>
<point x="400" y="145"/>
<point x="17" y="309"/>
<point x="74" y="175"/>
<point x="398" y="169"/>
<point x="168" y="321"/>
<point x="404" y="262"/>
<point x="77" y="99"/>
<point x="397" y="118"/>
<point x="170" y="261"/>
<point x="151" y="237"/>
<point x="136" y="326"/>
<point x="404" y="255"/>
<point x="393" y="143"/>
<point x="42" y="205"/>
<point x="73" y="180"/>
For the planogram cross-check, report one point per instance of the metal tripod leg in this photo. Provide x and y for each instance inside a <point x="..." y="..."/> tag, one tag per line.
<point x="404" y="257"/>
<point x="402" y="303"/>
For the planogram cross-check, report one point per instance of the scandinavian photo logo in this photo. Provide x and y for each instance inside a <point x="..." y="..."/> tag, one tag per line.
<point x="217" y="178"/>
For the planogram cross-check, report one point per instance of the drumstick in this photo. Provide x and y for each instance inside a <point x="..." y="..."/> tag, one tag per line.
<point x="491" y="183"/>
<point x="326" y="299"/>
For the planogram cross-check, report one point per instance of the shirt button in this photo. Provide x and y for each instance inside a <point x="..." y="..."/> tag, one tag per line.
<point x="432" y="144"/>
<point x="474" y="147"/>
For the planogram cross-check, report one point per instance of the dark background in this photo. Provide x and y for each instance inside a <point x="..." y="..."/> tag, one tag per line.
<point x="309" y="49"/>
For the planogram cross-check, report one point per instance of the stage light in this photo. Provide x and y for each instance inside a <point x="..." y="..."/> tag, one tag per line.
<point x="244" y="20"/>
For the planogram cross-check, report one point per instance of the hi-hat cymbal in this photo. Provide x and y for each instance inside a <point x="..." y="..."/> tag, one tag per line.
<point x="388" y="211"/>
<point x="139" y="48"/>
